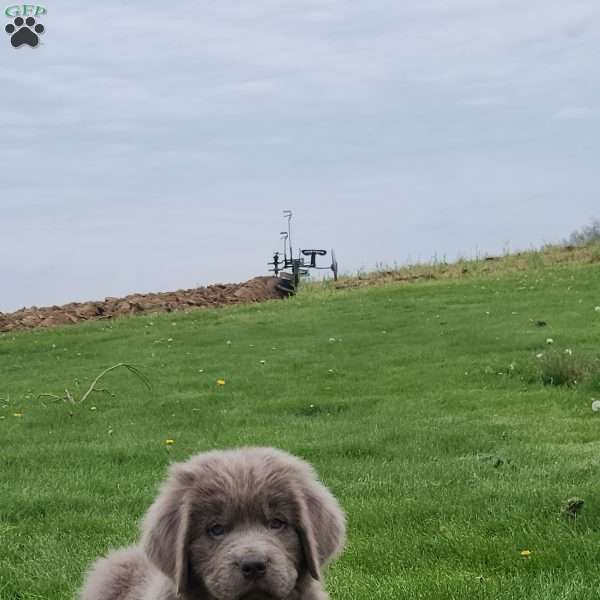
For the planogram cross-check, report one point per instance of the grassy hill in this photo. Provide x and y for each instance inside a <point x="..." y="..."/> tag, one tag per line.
<point x="423" y="407"/>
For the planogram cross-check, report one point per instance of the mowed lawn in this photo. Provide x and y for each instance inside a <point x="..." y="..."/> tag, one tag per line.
<point x="420" y="406"/>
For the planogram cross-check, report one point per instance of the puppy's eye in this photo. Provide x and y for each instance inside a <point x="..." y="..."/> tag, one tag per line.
<point x="216" y="531"/>
<point x="277" y="524"/>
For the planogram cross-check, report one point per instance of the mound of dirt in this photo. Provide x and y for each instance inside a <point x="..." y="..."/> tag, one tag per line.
<point x="254" y="290"/>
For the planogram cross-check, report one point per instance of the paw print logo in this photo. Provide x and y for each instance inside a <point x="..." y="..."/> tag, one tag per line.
<point x="24" y="31"/>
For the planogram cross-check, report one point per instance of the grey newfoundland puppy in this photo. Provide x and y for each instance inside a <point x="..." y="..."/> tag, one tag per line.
<point x="246" y="524"/>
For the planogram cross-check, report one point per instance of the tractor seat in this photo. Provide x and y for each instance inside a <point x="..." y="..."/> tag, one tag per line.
<point x="309" y="252"/>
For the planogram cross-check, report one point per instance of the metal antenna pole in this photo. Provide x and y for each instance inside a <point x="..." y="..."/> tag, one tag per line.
<point x="284" y="237"/>
<point x="288" y="215"/>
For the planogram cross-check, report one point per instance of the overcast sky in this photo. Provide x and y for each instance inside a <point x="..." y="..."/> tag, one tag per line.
<point x="153" y="145"/>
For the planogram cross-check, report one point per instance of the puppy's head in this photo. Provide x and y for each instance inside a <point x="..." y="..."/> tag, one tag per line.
<point x="244" y="524"/>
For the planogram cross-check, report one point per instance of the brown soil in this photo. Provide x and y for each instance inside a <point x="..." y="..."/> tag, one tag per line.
<point x="254" y="290"/>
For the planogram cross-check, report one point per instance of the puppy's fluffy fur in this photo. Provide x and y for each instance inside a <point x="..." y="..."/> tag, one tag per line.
<point x="247" y="524"/>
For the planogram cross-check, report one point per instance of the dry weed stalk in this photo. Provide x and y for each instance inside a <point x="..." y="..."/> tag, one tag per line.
<point x="68" y="397"/>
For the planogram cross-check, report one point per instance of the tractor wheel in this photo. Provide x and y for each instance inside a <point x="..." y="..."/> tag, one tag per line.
<point x="334" y="265"/>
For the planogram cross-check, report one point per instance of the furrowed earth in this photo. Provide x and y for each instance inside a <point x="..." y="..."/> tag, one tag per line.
<point x="212" y="296"/>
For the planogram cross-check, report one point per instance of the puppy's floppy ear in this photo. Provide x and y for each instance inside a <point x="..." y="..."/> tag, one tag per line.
<point x="166" y="528"/>
<point x="322" y="526"/>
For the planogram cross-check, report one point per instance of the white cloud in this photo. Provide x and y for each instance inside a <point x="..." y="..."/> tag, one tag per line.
<point x="576" y="113"/>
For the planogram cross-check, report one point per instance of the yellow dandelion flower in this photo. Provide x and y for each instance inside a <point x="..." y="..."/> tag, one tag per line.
<point x="169" y="442"/>
<point x="17" y="414"/>
<point x="525" y="553"/>
<point x="220" y="382"/>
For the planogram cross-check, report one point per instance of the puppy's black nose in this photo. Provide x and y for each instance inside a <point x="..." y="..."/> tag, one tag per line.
<point x="253" y="568"/>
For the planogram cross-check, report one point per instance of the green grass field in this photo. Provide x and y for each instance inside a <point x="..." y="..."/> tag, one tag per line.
<point x="421" y="405"/>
